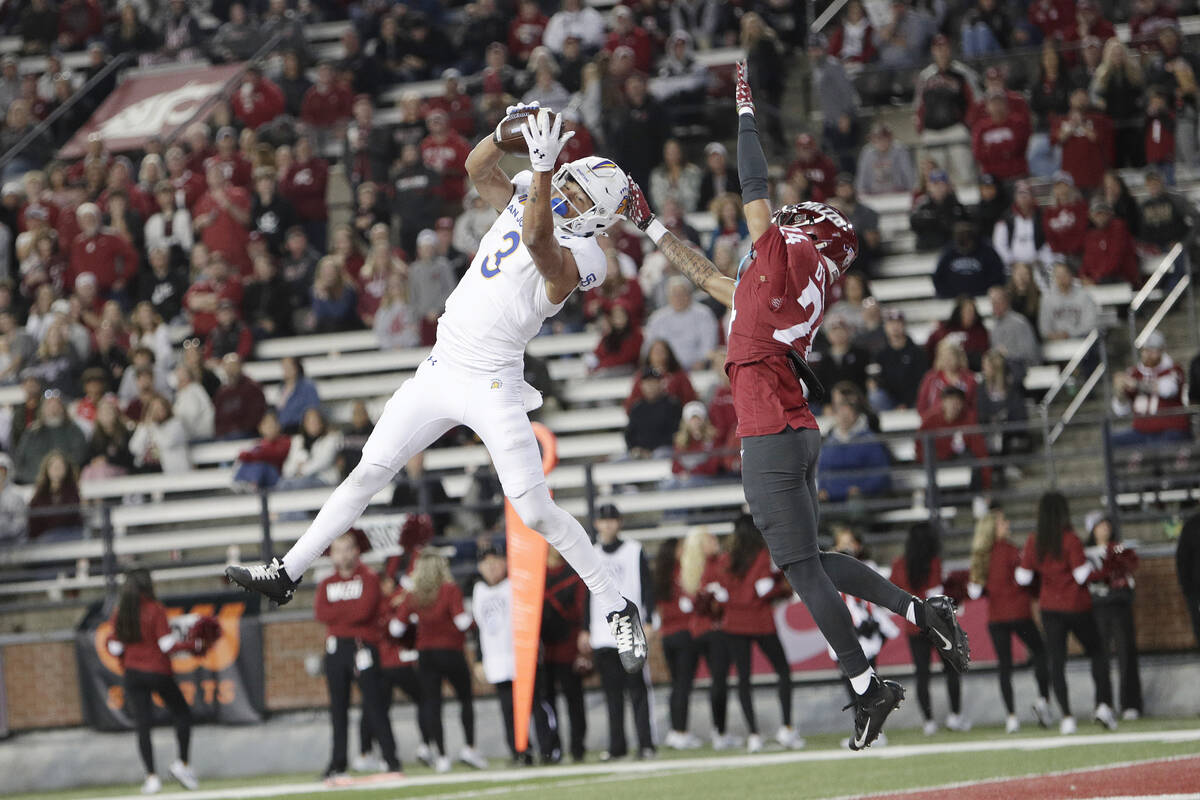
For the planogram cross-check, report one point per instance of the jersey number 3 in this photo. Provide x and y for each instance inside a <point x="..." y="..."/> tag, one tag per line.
<point x="514" y="240"/>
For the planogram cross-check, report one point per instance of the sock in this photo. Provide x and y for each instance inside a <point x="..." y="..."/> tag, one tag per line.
<point x="916" y="613"/>
<point x="862" y="682"/>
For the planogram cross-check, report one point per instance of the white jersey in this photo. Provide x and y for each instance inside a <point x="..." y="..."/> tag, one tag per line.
<point x="501" y="301"/>
<point x="492" y="608"/>
<point x="625" y="566"/>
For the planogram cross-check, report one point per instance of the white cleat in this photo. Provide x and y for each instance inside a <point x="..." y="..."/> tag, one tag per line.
<point x="1041" y="712"/>
<point x="367" y="762"/>
<point x="472" y="758"/>
<point x="1105" y="716"/>
<point x="152" y="785"/>
<point x="787" y="736"/>
<point x="724" y="741"/>
<point x="1131" y="715"/>
<point x="1067" y="726"/>
<point x="929" y="728"/>
<point x="183" y="773"/>
<point x="424" y="754"/>
<point x="1012" y="724"/>
<point x="681" y="740"/>
<point x="754" y="744"/>
<point x="442" y="765"/>
<point x="957" y="723"/>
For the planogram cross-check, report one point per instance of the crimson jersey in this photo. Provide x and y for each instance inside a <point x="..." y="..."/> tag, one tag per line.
<point x="778" y="305"/>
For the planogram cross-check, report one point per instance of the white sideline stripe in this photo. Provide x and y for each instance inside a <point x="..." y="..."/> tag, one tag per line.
<point x="1030" y="776"/>
<point x="702" y="763"/>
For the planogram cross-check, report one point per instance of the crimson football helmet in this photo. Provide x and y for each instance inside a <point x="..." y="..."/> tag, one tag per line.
<point x="829" y="229"/>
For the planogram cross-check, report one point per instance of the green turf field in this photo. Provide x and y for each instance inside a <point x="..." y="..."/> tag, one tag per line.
<point x="718" y="775"/>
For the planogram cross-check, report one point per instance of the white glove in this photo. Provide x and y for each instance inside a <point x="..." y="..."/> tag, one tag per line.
<point x="545" y="141"/>
<point x="512" y="111"/>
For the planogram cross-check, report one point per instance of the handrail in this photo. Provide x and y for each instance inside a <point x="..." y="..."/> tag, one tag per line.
<point x="1077" y="402"/>
<point x="80" y="93"/>
<point x="1067" y="371"/>
<point x="1168" y="260"/>
<point x="826" y="15"/>
<point x="1162" y="311"/>
<point x="1168" y="263"/>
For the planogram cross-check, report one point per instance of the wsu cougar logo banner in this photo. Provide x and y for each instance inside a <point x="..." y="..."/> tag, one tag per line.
<point x="223" y="685"/>
<point x="150" y="103"/>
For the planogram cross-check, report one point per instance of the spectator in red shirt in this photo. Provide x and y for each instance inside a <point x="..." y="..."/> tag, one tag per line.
<point x="239" y="404"/>
<point x="999" y="140"/>
<point x="78" y="22"/>
<point x="919" y="572"/>
<point x="1086" y="139"/>
<point x="222" y="218"/>
<point x="525" y="31"/>
<point x="627" y="33"/>
<point x="994" y="560"/>
<point x="216" y="284"/>
<point x="234" y="165"/>
<point x="853" y="40"/>
<point x="817" y="167"/>
<point x="303" y="182"/>
<point x="142" y="641"/>
<point x="951" y="415"/>
<point x="1055" y="554"/>
<point x="1065" y="221"/>
<point x="965" y="328"/>
<point x="696" y="460"/>
<point x="458" y="105"/>
<point x="326" y="103"/>
<point x="1051" y="17"/>
<point x="260" y="466"/>
<point x="445" y="152"/>
<point x="994" y="81"/>
<point x="620" y="343"/>
<point x="675" y="608"/>
<point x="258" y="100"/>
<point x="1151" y="386"/>
<point x="435" y="606"/>
<point x="348" y="602"/>
<point x="188" y="185"/>
<point x="101" y="252"/>
<point x="1109" y="254"/>
<point x="675" y="379"/>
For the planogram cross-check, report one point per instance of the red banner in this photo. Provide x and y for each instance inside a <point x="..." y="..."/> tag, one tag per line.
<point x="150" y="103"/>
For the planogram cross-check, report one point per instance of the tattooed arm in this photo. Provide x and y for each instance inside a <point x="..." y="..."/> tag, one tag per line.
<point x="692" y="263"/>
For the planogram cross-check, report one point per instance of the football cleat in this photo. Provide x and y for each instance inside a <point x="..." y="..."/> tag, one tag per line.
<point x="942" y="628"/>
<point x="269" y="579"/>
<point x="871" y="710"/>
<point x="626" y="627"/>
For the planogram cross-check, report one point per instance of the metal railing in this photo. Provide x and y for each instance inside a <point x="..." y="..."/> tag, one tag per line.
<point x="1165" y="267"/>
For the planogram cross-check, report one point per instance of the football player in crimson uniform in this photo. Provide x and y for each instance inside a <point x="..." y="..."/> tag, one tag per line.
<point x="778" y="299"/>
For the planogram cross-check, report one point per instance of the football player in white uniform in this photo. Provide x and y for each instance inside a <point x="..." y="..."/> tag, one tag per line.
<point x="537" y="252"/>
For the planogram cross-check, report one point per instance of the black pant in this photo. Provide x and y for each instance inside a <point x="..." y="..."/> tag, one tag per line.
<point x="1193" y="607"/>
<point x="138" y="688"/>
<point x="545" y="723"/>
<point x="1058" y="624"/>
<point x="433" y="667"/>
<point x="772" y="648"/>
<point x="680" y="653"/>
<point x="921" y="649"/>
<point x="714" y="647"/>
<point x="405" y="678"/>
<point x="1115" y="621"/>
<point x="779" y="474"/>
<point x="617" y="682"/>
<point x="341" y="670"/>
<point x="1027" y="632"/>
<point x="558" y="677"/>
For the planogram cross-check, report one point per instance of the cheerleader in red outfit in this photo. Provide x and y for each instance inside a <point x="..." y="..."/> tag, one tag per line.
<point x="673" y="614"/>
<point x="754" y="584"/>
<point x="919" y="572"/>
<point x="435" y="605"/>
<point x="144" y="642"/>
<point x="1111" y="587"/>
<point x="700" y="570"/>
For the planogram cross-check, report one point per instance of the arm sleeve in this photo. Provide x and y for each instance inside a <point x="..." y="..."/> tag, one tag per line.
<point x="752" y="162"/>
<point x="648" y="579"/>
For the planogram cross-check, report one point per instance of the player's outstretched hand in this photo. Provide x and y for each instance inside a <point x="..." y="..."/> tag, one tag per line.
<point x="544" y="139"/>
<point x="637" y="210"/>
<point x="742" y="96"/>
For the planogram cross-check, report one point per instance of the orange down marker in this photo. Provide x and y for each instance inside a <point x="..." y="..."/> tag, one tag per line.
<point x="527" y="575"/>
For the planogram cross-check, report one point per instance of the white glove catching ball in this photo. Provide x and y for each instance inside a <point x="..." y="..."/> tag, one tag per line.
<point x="545" y="140"/>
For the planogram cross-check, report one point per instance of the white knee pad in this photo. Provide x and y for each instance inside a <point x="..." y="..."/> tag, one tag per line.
<point x="537" y="510"/>
<point x="369" y="478"/>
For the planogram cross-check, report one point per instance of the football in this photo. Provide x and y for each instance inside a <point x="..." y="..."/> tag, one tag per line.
<point x="511" y="140"/>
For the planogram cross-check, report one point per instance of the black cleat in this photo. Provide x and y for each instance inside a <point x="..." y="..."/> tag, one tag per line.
<point x="871" y="710"/>
<point x="626" y="628"/>
<point x="942" y="628"/>
<point x="270" y="580"/>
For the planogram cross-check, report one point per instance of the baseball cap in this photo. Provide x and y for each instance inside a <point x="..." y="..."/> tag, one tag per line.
<point x="845" y="177"/>
<point x="695" y="409"/>
<point x="427" y="236"/>
<point x="987" y="180"/>
<point x="608" y="511"/>
<point x="715" y="147"/>
<point x="226" y="133"/>
<point x="1022" y="187"/>
<point x="893" y="315"/>
<point x="1062" y="176"/>
<point x="1155" y="341"/>
<point x="60" y="306"/>
<point x="1100" y="204"/>
<point x="939" y="176"/>
<point x="651" y="372"/>
<point x="85" y="277"/>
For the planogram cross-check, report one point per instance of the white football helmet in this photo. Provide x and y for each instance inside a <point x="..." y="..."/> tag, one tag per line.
<point x="604" y="182"/>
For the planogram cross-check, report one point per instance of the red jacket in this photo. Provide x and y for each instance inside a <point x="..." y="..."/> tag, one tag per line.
<point x="189" y="187"/>
<point x="999" y="147"/>
<point x="1160" y="138"/>
<point x="325" y="109"/>
<point x="349" y="607"/>
<point x="929" y="394"/>
<point x="235" y="167"/>
<point x="625" y="354"/>
<point x="106" y="255"/>
<point x="237" y="407"/>
<point x="268" y="451"/>
<point x="975" y="340"/>
<point x="1059" y="589"/>
<point x="1017" y="106"/>
<point x="899" y="577"/>
<point x="1085" y="157"/>
<point x="225" y="234"/>
<point x="697" y="458"/>
<point x="395" y="652"/>
<point x="145" y="655"/>
<point x="708" y="612"/>
<point x="637" y="40"/>
<point x="52" y="213"/>
<point x="1051" y="17"/>
<point x="1109" y="255"/>
<point x="524" y="35"/>
<point x="954" y="444"/>
<point x="749" y="609"/>
<point x="447" y="157"/>
<point x="459" y="109"/>
<point x="672" y="613"/>
<point x="1159" y="389"/>
<point x="264" y="104"/>
<point x="820" y="172"/>
<point x="1008" y="601"/>
<point x="436" y="628"/>
<point x="303" y="185"/>
<point x="837" y="40"/>
<point x="204" y="321"/>
<point x="1065" y="226"/>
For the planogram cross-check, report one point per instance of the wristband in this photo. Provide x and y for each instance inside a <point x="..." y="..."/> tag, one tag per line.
<point x="656" y="231"/>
